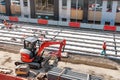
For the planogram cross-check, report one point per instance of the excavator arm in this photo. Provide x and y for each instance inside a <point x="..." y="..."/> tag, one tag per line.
<point x="49" y="43"/>
<point x="26" y="55"/>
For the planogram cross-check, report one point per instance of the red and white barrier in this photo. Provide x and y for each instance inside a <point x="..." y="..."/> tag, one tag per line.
<point x="118" y="28"/>
<point x="63" y="23"/>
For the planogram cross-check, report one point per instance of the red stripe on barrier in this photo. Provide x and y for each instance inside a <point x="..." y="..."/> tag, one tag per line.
<point x="74" y="24"/>
<point x="11" y="18"/>
<point x="9" y="77"/>
<point x="110" y="28"/>
<point x="42" y="21"/>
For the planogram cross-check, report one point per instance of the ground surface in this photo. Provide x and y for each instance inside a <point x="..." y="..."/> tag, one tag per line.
<point x="85" y="64"/>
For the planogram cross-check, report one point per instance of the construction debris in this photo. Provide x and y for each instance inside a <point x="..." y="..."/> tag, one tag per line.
<point x="5" y="71"/>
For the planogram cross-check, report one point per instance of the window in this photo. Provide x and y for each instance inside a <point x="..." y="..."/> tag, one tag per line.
<point x="76" y="10"/>
<point x="2" y="2"/>
<point x="109" y="6"/>
<point x="25" y="2"/>
<point x="2" y="7"/>
<point x="64" y="4"/>
<point x="95" y="10"/>
<point x="15" y="2"/>
<point x="64" y="19"/>
<point x="118" y="7"/>
<point x="15" y="8"/>
<point x="95" y="5"/>
<point x="117" y="19"/>
<point x="73" y="4"/>
<point x="26" y="16"/>
<point x="44" y="8"/>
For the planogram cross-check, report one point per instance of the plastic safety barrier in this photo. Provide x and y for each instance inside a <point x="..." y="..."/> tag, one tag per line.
<point x="42" y="21"/>
<point x="52" y="22"/>
<point x="110" y="28"/>
<point x="74" y="24"/>
<point x="9" y="77"/>
<point x="84" y="25"/>
<point x="62" y="23"/>
<point x="4" y="17"/>
<point x="11" y="18"/>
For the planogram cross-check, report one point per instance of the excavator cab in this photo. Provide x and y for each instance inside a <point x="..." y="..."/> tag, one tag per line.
<point x="28" y="52"/>
<point x="30" y="44"/>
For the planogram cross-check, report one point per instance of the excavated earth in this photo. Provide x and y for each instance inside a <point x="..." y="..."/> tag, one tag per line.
<point x="101" y="66"/>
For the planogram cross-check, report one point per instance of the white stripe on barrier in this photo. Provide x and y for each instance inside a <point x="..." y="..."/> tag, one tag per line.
<point x="61" y="23"/>
<point x="118" y="28"/>
<point x="51" y="22"/>
<point x="96" y="26"/>
<point x="23" y="19"/>
<point x="84" y="25"/>
<point x="32" y="20"/>
<point x="4" y="17"/>
<point x="92" y="26"/>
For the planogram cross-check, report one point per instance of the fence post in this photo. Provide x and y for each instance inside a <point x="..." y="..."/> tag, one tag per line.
<point x="115" y="43"/>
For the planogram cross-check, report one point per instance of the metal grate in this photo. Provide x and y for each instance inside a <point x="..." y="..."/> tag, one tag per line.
<point x="70" y="75"/>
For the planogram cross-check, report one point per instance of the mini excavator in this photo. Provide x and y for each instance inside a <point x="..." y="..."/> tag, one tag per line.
<point x="33" y="50"/>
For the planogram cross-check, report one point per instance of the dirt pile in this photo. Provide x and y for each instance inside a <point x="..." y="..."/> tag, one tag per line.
<point x="92" y="61"/>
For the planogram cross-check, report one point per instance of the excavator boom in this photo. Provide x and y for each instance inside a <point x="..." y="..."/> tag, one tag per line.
<point x="49" y="43"/>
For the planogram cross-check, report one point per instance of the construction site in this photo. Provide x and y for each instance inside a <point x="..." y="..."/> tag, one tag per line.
<point x="59" y="39"/>
<point x="45" y="52"/>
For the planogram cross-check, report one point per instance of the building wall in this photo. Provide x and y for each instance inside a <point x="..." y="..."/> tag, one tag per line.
<point x="117" y="19"/>
<point x="71" y="10"/>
